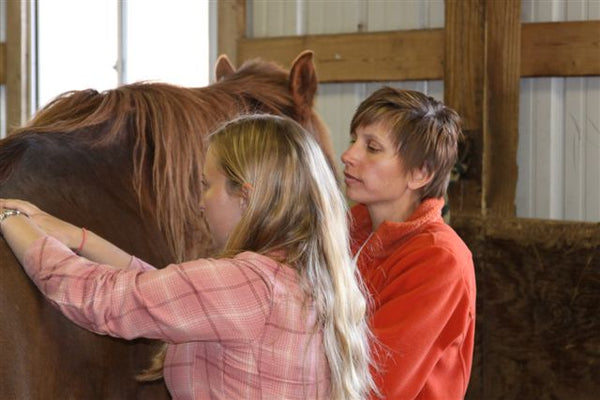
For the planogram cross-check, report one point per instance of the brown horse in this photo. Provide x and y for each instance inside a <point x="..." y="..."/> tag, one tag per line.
<point x="126" y="164"/>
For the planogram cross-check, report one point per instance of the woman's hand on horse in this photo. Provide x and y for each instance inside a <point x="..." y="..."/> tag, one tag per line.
<point x="67" y="233"/>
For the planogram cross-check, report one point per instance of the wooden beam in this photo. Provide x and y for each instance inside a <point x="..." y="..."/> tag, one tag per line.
<point x="463" y="91"/>
<point x="380" y="56"/>
<point x="18" y="71"/>
<point x="526" y="231"/>
<point x="501" y="107"/>
<point x="419" y="54"/>
<point x="231" y="27"/>
<point x="464" y="56"/>
<point x="2" y="63"/>
<point x="560" y="49"/>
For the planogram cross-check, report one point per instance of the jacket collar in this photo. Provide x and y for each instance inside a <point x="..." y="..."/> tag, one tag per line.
<point x="388" y="234"/>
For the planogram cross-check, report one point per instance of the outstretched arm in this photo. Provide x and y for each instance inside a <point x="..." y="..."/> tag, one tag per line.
<point x="21" y="231"/>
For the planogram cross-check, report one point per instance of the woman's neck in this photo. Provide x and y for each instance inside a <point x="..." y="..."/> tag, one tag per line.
<point x="398" y="211"/>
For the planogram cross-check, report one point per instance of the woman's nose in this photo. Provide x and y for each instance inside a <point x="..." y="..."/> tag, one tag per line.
<point x="348" y="156"/>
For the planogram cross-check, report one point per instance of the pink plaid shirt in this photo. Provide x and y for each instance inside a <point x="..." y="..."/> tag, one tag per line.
<point x="237" y="328"/>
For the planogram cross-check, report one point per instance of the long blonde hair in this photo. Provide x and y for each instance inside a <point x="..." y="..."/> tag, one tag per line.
<point x="295" y="207"/>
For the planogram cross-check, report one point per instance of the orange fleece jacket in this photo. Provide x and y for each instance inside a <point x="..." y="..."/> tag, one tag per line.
<point x="422" y="280"/>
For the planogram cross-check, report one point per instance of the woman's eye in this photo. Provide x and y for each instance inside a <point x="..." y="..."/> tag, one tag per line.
<point x="372" y="149"/>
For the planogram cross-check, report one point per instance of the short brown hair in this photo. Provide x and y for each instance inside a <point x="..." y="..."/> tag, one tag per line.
<point x="424" y="130"/>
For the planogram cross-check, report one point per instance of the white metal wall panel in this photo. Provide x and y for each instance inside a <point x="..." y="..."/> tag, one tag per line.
<point x="385" y="15"/>
<point x="591" y="138"/>
<point x="272" y="18"/>
<point x="559" y="136"/>
<point x="582" y="149"/>
<point x="327" y="16"/>
<point x="337" y="102"/>
<point x="525" y="193"/>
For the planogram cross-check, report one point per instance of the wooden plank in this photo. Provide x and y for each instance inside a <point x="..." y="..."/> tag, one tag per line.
<point x="231" y="27"/>
<point x="464" y="60"/>
<point x="560" y="48"/>
<point x="419" y="54"/>
<point x="378" y="56"/>
<point x="501" y="106"/>
<point x="17" y="75"/>
<point x="463" y="91"/>
<point x="529" y="231"/>
<point x="2" y="63"/>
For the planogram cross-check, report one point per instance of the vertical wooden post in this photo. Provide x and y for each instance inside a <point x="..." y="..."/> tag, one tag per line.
<point x="18" y="71"/>
<point x="231" y="27"/>
<point x="481" y="81"/>
<point x="464" y="70"/>
<point x="501" y="107"/>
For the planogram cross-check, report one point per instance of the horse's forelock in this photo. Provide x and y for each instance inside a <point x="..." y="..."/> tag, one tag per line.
<point x="263" y="84"/>
<point x="270" y="84"/>
<point x="171" y="123"/>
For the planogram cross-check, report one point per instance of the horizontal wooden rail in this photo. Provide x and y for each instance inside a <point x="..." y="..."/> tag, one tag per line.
<point x="560" y="49"/>
<point x="380" y="56"/>
<point x="547" y="49"/>
<point x="526" y="231"/>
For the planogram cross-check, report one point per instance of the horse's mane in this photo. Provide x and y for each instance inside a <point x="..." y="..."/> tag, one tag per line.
<point x="166" y="126"/>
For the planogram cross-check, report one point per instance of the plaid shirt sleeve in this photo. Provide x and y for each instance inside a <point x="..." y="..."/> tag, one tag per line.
<point x="218" y="300"/>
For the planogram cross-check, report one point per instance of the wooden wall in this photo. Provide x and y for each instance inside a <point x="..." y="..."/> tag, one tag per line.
<point x="538" y="280"/>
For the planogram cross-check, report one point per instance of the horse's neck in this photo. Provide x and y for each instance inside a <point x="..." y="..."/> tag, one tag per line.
<point x="87" y="187"/>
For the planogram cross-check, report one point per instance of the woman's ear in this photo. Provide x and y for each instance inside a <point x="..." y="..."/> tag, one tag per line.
<point x="243" y="199"/>
<point x="419" y="177"/>
<point x="245" y="195"/>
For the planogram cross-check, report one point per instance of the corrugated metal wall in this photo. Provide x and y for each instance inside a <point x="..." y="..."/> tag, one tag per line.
<point x="559" y="129"/>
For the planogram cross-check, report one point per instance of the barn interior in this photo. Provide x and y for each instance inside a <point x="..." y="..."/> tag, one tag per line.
<point x="527" y="207"/>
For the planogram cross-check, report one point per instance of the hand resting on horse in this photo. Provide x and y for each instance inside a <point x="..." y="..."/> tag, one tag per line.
<point x="20" y="232"/>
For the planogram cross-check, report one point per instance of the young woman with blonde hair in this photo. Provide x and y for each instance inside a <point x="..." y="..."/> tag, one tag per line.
<point x="279" y="313"/>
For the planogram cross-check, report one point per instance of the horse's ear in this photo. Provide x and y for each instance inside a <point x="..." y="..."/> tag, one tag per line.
<point x="303" y="79"/>
<point x="223" y="67"/>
